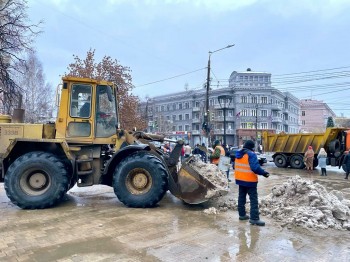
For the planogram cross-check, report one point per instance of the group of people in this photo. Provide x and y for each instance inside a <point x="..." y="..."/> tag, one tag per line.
<point x="322" y="161"/>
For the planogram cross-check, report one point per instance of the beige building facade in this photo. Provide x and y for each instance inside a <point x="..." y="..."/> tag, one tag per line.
<point x="314" y="115"/>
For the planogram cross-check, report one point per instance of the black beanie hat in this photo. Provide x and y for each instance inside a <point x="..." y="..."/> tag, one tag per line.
<point x="249" y="144"/>
<point x="216" y="142"/>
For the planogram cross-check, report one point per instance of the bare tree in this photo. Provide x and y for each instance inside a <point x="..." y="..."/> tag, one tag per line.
<point x="38" y="95"/>
<point x="16" y="37"/>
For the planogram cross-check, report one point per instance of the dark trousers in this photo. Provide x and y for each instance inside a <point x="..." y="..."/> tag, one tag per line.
<point x="242" y="199"/>
<point x="324" y="171"/>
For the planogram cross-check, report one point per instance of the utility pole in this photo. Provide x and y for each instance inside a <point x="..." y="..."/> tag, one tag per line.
<point x="206" y="114"/>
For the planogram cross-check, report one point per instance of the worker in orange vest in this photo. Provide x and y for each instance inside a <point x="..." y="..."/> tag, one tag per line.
<point x="218" y="151"/>
<point x="247" y="169"/>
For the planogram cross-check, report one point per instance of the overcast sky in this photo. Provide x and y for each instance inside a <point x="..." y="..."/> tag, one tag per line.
<point x="163" y="39"/>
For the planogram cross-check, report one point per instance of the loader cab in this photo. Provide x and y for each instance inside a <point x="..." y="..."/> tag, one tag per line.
<point x="88" y="111"/>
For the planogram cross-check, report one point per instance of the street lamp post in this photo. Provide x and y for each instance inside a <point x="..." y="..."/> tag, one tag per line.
<point x="206" y="114"/>
<point x="225" y="101"/>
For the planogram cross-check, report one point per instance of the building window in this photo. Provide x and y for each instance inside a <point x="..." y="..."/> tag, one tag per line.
<point x="241" y="78"/>
<point x="245" y="78"/>
<point x="264" y="113"/>
<point x="157" y="108"/>
<point x="244" y="99"/>
<point x="168" y="118"/>
<point x="254" y="99"/>
<point x="180" y="128"/>
<point x="174" y="128"/>
<point x="187" y="116"/>
<point x="180" y="117"/>
<point x="303" y="113"/>
<point x="211" y="102"/>
<point x="244" y="112"/>
<point x="230" y="113"/>
<point x="244" y="125"/>
<point x="162" y="108"/>
<point x="263" y="125"/>
<point x="187" y="128"/>
<point x="197" y="104"/>
<point x="264" y="100"/>
<point x="254" y="112"/>
<point x="174" y="106"/>
<point x="303" y="122"/>
<point x="180" y="105"/>
<point x="174" y="117"/>
<point x="187" y="105"/>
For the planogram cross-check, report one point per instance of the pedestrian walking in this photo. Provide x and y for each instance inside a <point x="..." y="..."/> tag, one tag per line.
<point x="322" y="161"/>
<point x="309" y="159"/>
<point x="247" y="169"/>
<point x="346" y="162"/>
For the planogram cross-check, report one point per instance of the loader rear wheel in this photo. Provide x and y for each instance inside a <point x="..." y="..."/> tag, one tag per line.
<point x="140" y="180"/>
<point x="36" y="180"/>
<point x="297" y="161"/>
<point x="280" y="160"/>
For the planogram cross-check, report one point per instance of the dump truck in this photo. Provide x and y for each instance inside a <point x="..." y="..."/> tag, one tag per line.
<point x="86" y="146"/>
<point x="289" y="149"/>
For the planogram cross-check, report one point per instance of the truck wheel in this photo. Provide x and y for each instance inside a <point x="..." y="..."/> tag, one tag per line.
<point x="334" y="146"/>
<point x="297" y="161"/>
<point x="36" y="180"/>
<point x="140" y="180"/>
<point x="280" y="160"/>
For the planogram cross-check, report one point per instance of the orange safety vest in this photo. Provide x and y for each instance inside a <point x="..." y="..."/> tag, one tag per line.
<point x="243" y="171"/>
<point x="222" y="152"/>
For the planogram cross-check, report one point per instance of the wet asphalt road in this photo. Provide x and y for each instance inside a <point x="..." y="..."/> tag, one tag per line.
<point x="92" y="225"/>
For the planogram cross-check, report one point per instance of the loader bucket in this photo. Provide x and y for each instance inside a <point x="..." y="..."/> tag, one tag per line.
<point x="191" y="186"/>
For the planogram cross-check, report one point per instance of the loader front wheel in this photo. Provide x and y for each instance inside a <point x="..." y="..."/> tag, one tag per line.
<point x="36" y="180"/>
<point x="140" y="180"/>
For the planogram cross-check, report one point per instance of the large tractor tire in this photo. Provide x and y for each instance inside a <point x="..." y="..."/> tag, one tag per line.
<point x="36" y="180"/>
<point x="140" y="180"/>
<point x="281" y="161"/>
<point x="297" y="161"/>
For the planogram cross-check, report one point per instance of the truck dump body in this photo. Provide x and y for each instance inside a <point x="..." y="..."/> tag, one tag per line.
<point x="289" y="149"/>
<point x="298" y="143"/>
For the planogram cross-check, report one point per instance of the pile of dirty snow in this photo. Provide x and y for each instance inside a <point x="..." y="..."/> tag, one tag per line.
<point x="300" y="202"/>
<point x="213" y="174"/>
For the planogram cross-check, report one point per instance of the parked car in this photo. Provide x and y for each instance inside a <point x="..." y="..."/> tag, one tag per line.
<point x="232" y="154"/>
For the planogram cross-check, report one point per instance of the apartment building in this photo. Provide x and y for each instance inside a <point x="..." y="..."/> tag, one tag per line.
<point x="314" y="115"/>
<point x="262" y="107"/>
<point x="251" y="105"/>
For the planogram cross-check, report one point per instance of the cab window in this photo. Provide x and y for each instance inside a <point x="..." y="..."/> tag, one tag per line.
<point x="106" y="117"/>
<point x="80" y="101"/>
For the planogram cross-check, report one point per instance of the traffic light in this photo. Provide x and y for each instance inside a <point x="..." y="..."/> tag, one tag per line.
<point x="212" y="116"/>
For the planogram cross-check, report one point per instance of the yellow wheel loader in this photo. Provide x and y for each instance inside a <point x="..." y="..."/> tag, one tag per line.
<point x="85" y="146"/>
